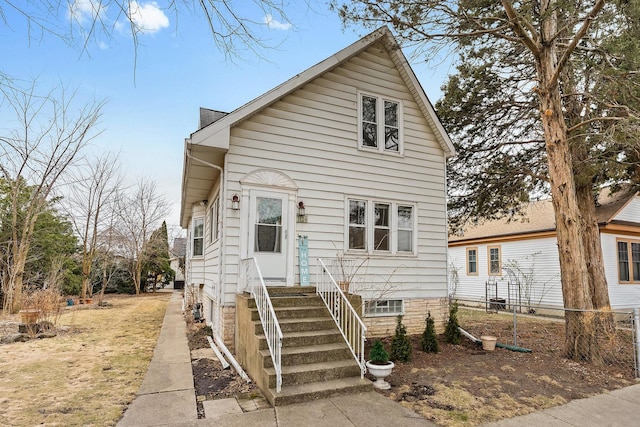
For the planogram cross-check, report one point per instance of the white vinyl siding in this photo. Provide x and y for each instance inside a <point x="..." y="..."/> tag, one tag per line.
<point x="310" y="135"/>
<point x="537" y="260"/>
<point x="631" y="212"/>
<point x="534" y="262"/>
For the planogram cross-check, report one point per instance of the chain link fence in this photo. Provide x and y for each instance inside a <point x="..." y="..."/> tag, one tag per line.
<point x="604" y="338"/>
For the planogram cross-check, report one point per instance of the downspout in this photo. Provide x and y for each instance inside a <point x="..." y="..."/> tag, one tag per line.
<point x="221" y="235"/>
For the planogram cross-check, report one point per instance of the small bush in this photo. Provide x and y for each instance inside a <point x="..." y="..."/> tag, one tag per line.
<point x="452" y="334"/>
<point x="378" y="355"/>
<point x="400" y="344"/>
<point x="429" y="343"/>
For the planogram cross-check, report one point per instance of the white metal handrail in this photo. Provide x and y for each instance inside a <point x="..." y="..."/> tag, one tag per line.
<point x="272" y="332"/>
<point x="351" y="326"/>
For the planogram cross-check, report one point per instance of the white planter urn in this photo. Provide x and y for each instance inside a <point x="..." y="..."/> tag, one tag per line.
<point x="380" y="372"/>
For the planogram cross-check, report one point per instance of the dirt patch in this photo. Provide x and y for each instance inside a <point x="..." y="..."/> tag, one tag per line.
<point x="466" y="385"/>
<point x="209" y="379"/>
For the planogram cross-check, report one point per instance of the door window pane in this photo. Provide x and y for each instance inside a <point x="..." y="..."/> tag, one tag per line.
<point x="268" y="226"/>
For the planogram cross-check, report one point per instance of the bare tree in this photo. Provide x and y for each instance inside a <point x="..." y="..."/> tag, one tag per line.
<point x="233" y="25"/>
<point x="140" y="211"/>
<point x="92" y="188"/>
<point x="47" y="138"/>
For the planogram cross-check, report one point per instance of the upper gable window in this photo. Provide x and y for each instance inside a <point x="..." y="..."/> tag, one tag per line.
<point x="379" y="123"/>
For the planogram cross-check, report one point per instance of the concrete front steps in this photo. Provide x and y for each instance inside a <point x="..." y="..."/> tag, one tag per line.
<point x="316" y="362"/>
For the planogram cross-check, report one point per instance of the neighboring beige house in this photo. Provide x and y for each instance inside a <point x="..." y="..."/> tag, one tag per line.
<point x="348" y="153"/>
<point x="527" y="246"/>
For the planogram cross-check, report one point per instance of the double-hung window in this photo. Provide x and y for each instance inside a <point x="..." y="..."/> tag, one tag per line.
<point x="629" y="261"/>
<point x="357" y="224"/>
<point x="380" y="123"/>
<point x="378" y="226"/>
<point x="495" y="260"/>
<point x="198" y="237"/>
<point x="472" y="261"/>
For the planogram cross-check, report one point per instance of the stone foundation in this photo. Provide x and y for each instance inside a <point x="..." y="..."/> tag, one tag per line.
<point x="415" y="314"/>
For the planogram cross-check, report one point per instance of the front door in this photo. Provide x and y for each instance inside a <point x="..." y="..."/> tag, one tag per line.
<point x="268" y="234"/>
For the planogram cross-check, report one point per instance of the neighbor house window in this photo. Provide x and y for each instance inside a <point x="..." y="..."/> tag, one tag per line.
<point x="472" y="261"/>
<point x="213" y="217"/>
<point x="495" y="262"/>
<point x="379" y="125"/>
<point x="629" y="261"/>
<point x="198" y="236"/>
<point x="376" y="226"/>
<point x="383" y="307"/>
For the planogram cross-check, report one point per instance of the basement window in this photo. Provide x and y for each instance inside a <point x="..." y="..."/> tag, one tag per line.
<point x="383" y="307"/>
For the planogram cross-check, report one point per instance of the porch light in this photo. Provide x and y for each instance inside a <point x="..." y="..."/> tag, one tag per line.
<point x="235" y="202"/>
<point x="300" y="208"/>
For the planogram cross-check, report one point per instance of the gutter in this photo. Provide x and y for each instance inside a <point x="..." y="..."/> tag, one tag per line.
<point x="221" y="256"/>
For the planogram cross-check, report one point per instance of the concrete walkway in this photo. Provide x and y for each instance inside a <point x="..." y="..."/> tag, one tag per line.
<point x="167" y="398"/>
<point x="616" y="408"/>
<point x="166" y="395"/>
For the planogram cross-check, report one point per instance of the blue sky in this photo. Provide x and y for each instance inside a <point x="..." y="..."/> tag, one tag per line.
<point x="152" y="99"/>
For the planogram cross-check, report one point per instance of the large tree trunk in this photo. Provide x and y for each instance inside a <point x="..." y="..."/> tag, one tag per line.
<point x="583" y="177"/>
<point x="580" y="341"/>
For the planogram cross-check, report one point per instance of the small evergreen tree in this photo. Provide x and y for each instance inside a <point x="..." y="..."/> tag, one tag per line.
<point x="429" y="343"/>
<point x="400" y="344"/>
<point x="452" y="333"/>
<point x="378" y="355"/>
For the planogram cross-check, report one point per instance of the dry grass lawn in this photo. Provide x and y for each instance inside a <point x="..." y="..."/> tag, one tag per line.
<point x="88" y="374"/>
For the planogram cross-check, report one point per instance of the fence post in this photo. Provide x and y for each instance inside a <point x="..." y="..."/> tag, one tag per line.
<point x="636" y="326"/>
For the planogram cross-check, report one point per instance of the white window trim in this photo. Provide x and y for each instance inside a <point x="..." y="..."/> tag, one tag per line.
<point x="193" y="236"/>
<point x="388" y="314"/>
<point x="393" y="227"/>
<point x="380" y="122"/>
<point x="214" y="226"/>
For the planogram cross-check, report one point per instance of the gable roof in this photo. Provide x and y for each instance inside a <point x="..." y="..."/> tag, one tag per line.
<point x="201" y="164"/>
<point x="382" y="34"/>
<point x="538" y="217"/>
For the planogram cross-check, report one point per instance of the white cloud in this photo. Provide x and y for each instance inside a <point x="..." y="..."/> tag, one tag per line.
<point x="274" y="24"/>
<point x="83" y="11"/>
<point x="148" y="17"/>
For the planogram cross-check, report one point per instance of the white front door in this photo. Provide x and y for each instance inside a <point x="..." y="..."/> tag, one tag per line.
<point x="268" y="234"/>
